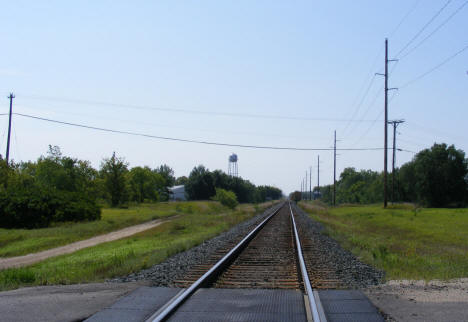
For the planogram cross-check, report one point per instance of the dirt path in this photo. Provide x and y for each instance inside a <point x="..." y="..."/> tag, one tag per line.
<point x="73" y="247"/>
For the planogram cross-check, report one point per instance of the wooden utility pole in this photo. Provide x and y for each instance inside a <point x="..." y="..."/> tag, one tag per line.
<point x="395" y="123"/>
<point x="318" y="175"/>
<point x="310" y="183"/>
<point x="334" y="172"/>
<point x="385" y="125"/>
<point x="11" y="97"/>
<point x="305" y="190"/>
<point x="386" y="121"/>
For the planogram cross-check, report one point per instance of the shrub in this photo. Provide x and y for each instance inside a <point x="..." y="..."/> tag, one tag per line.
<point x="33" y="207"/>
<point x="226" y="198"/>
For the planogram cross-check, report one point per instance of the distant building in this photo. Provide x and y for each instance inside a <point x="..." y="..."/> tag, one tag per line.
<point x="177" y="193"/>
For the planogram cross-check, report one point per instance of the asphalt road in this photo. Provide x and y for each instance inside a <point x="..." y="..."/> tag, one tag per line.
<point x="64" y="303"/>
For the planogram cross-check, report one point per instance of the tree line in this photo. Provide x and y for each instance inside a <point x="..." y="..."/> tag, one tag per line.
<point x="59" y="188"/>
<point x="202" y="183"/>
<point x="435" y="177"/>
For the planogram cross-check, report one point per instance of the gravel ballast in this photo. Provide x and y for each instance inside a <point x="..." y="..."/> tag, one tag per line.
<point x="175" y="267"/>
<point x="350" y="270"/>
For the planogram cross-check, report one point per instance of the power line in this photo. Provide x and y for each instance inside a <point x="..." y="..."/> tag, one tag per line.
<point x="358" y="107"/>
<point x="404" y="18"/>
<point x="179" y="110"/>
<point x="424" y="27"/>
<point x="372" y="104"/>
<point x="435" y="67"/>
<point x="191" y="141"/>
<point x="435" y="30"/>
<point x="367" y="111"/>
<point x="375" y="120"/>
<point x="168" y="125"/>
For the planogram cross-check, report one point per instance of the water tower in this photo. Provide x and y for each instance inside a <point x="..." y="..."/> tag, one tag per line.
<point x="232" y="170"/>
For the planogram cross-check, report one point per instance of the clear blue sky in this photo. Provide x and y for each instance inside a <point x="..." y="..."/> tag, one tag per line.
<point x="305" y="59"/>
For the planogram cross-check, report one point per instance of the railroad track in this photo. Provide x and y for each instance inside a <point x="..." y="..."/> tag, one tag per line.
<point x="269" y="257"/>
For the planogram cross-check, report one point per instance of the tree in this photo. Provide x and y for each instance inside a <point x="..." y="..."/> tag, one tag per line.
<point x="167" y="173"/>
<point x="53" y="189"/>
<point x="226" y="198"/>
<point x="200" y="184"/>
<point x="113" y="171"/>
<point x="181" y="181"/>
<point x="439" y="175"/>
<point x="145" y="184"/>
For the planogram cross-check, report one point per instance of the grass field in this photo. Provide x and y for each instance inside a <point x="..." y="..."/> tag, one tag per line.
<point x="15" y="242"/>
<point x="406" y="242"/>
<point x="133" y="253"/>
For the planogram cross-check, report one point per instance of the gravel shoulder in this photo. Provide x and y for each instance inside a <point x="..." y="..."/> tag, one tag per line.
<point x="407" y="300"/>
<point x="29" y="259"/>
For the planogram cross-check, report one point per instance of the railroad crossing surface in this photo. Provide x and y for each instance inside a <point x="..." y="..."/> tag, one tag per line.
<point x="217" y="304"/>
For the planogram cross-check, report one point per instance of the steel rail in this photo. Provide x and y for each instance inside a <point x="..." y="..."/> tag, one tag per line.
<point x="179" y="299"/>
<point x="317" y="317"/>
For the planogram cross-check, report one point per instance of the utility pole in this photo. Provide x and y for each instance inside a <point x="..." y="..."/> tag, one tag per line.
<point x="11" y="97"/>
<point x="318" y="175"/>
<point x="334" y="172"/>
<point x="310" y="183"/>
<point x="386" y="121"/>
<point x="395" y="123"/>
<point x="305" y="190"/>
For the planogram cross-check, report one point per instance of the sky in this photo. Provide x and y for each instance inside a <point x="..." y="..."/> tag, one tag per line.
<point x="291" y="72"/>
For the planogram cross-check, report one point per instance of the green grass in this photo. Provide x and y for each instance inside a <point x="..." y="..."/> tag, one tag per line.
<point x="16" y="242"/>
<point x="406" y="242"/>
<point x="131" y="254"/>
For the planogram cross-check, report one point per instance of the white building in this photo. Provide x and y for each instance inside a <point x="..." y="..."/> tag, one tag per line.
<point x="177" y="193"/>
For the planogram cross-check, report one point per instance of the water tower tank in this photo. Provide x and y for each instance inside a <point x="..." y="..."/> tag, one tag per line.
<point x="233" y="158"/>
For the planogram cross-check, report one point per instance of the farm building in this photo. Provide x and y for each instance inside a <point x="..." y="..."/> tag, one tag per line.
<point x="177" y="193"/>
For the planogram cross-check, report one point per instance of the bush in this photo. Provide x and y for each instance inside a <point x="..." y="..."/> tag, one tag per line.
<point x="35" y="208"/>
<point x="226" y="198"/>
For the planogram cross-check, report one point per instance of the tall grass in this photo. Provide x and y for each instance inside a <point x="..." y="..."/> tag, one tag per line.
<point x="407" y="242"/>
<point x="15" y="242"/>
<point x="131" y="254"/>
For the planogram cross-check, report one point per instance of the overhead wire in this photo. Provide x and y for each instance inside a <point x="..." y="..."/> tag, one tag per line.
<point x="436" y="29"/>
<point x="375" y="120"/>
<point x="445" y="61"/>
<point x="423" y="28"/>
<point x="189" y="140"/>
<point x="179" y="110"/>
<point x="107" y="118"/>
<point x="358" y="107"/>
